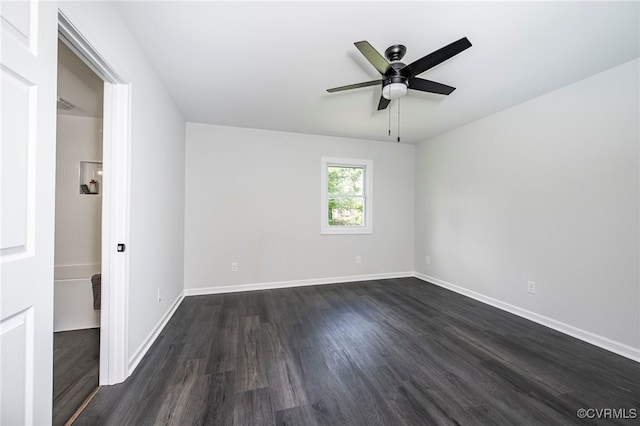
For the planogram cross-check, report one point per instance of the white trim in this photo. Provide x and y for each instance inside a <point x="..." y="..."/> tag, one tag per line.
<point x="586" y="336"/>
<point x="367" y="165"/>
<point x="75" y="41"/>
<point x="115" y="229"/>
<point x="151" y="338"/>
<point x="295" y="283"/>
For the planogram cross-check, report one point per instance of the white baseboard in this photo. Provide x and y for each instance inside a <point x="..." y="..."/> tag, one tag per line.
<point x="294" y="283"/>
<point x="151" y="338"/>
<point x="594" y="339"/>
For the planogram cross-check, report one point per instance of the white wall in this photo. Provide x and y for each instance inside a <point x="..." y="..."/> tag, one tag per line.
<point x="78" y="216"/>
<point x="547" y="191"/>
<point x="78" y="224"/>
<point x="156" y="240"/>
<point x="253" y="197"/>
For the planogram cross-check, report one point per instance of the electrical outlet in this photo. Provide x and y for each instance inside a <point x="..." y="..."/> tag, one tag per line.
<point x="428" y="260"/>
<point x="234" y="267"/>
<point x="531" y="287"/>
<point x="358" y="259"/>
<point x="159" y="294"/>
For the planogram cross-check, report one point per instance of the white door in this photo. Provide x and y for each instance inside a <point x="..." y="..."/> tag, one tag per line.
<point x="28" y="55"/>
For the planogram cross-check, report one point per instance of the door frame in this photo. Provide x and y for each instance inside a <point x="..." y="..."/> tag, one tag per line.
<point x="115" y="204"/>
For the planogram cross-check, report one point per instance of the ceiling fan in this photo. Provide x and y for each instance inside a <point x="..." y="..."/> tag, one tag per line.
<point x="398" y="77"/>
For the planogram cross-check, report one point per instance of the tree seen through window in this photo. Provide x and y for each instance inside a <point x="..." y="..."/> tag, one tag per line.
<point x="345" y="188"/>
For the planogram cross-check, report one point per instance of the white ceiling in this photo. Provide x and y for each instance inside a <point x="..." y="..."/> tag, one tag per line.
<point x="267" y="65"/>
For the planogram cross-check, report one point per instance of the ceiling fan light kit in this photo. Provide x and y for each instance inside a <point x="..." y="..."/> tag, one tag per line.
<point x="394" y="90"/>
<point x="397" y="77"/>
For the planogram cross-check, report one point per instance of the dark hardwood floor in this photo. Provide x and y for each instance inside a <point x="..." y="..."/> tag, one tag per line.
<point x="389" y="352"/>
<point x="76" y="366"/>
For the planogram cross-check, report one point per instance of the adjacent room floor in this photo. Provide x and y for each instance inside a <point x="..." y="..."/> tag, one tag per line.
<point x="76" y="368"/>
<point x="388" y="352"/>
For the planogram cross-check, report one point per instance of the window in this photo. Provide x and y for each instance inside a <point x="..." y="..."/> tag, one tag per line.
<point x="346" y="196"/>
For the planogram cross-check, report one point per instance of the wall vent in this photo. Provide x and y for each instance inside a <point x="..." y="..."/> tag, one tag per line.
<point x="65" y="104"/>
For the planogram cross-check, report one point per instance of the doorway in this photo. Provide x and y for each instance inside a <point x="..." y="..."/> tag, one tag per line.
<point x="78" y="235"/>
<point x="108" y="183"/>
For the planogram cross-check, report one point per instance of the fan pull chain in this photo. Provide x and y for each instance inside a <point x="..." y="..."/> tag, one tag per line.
<point x="398" y="119"/>
<point x="389" y="110"/>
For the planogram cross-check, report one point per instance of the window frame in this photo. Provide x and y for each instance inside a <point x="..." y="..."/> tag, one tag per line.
<point x="367" y="181"/>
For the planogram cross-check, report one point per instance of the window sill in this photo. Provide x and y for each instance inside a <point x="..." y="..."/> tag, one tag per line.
<point x="346" y="231"/>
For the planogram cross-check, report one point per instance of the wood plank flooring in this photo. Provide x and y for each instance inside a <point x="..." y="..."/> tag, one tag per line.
<point x="76" y="368"/>
<point x="388" y="352"/>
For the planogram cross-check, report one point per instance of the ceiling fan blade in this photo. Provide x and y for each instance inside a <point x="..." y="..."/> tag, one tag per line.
<point x="423" y="85"/>
<point x="378" y="61"/>
<point x="384" y="102"/>
<point x="435" y="58"/>
<point x="354" y="86"/>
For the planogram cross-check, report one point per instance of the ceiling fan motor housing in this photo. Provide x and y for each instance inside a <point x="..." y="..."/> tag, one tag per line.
<point x="395" y="52"/>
